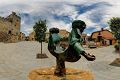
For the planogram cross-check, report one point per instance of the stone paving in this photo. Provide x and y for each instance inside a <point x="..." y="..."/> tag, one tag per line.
<point x="17" y="59"/>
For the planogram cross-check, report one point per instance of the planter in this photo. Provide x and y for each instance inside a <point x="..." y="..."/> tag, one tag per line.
<point x="41" y="56"/>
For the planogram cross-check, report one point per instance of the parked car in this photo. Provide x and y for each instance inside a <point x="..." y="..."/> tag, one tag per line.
<point x="92" y="44"/>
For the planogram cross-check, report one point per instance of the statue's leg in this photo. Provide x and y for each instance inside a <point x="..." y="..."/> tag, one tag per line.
<point x="81" y="51"/>
<point x="60" y="67"/>
<point x="78" y="48"/>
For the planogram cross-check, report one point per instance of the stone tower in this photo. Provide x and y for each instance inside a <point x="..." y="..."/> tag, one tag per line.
<point x="15" y="23"/>
<point x="11" y="26"/>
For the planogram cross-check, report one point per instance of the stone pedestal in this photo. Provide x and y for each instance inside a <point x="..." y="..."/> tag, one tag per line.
<point x="48" y="74"/>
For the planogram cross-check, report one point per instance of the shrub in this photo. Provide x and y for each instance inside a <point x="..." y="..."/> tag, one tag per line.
<point x="116" y="46"/>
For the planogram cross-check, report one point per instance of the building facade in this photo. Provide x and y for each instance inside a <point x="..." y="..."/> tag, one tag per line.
<point x="105" y="37"/>
<point x="47" y="36"/>
<point x="22" y="36"/>
<point x="85" y="38"/>
<point x="63" y="33"/>
<point x="11" y="26"/>
<point x="32" y="36"/>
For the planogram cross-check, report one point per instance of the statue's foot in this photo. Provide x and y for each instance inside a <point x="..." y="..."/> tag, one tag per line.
<point x="60" y="73"/>
<point x="89" y="57"/>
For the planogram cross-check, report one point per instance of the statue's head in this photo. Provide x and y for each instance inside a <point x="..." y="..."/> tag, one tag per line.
<point x="54" y="35"/>
<point x="79" y="24"/>
<point x="54" y="30"/>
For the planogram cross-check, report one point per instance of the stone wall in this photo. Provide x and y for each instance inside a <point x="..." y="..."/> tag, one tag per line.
<point x="31" y="36"/>
<point x="22" y="36"/>
<point x="11" y="26"/>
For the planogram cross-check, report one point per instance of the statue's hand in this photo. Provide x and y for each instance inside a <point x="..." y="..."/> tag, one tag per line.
<point x="89" y="57"/>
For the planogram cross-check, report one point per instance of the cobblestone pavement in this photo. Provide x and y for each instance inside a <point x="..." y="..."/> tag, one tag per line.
<point x="17" y="59"/>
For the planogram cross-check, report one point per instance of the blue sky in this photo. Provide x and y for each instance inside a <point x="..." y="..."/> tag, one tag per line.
<point x="61" y="13"/>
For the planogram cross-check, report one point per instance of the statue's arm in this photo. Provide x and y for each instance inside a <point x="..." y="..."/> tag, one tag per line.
<point x="72" y="38"/>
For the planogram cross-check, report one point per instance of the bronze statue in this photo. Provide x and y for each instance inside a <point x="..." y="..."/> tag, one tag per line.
<point x="73" y="52"/>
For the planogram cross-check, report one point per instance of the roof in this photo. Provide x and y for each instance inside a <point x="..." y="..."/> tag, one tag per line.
<point x="107" y="37"/>
<point x="100" y="31"/>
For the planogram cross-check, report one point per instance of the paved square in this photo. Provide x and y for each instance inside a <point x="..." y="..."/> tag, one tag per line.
<point x="17" y="59"/>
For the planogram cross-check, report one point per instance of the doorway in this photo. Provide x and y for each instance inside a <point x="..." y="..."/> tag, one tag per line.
<point x="110" y="42"/>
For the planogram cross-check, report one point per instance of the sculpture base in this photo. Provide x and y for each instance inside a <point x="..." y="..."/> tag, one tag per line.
<point x="48" y="74"/>
<point x="41" y="56"/>
<point x="116" y="62"/>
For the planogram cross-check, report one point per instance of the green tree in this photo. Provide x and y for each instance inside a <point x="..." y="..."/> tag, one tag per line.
<point x="114" y="24"/>
<point x="40" y="28"/>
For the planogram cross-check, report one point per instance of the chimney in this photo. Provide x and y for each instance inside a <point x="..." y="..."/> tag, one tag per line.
<point x="102" y="29"/>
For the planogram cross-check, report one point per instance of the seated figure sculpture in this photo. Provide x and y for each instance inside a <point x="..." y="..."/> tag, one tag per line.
<point x="73" y="52"/>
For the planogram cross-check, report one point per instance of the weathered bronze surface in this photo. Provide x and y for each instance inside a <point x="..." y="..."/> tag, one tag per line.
<point x="74" y="50"/>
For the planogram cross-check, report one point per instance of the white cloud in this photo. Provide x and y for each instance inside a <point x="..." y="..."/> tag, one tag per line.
<point x="66" y="10"/>
<point x="85" y="17"/>
<point x="98" y="28"/>
<point x="47" y="8"/>
<point x="108" y="28"/>
<point x="88" y="34"/>
<point x="60" y="25"/>
<point x="29" y="30"/>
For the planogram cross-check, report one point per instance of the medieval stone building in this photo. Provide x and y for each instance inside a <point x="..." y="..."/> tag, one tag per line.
<point x="22" y="36"/>
<point x="62" y="32"/>
<point x="31" y="36"/>
<point x="10" y="27"/>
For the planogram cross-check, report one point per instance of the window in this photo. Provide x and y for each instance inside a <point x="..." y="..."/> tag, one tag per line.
<point x="11" y="20"/>
<point x="17" y="20"/>
<point x="9" y="32"/>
